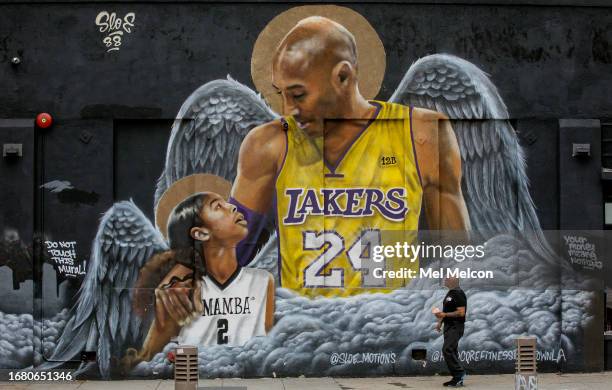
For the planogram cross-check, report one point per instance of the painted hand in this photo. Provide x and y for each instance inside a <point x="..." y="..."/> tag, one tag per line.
<point x="173" y="297"/>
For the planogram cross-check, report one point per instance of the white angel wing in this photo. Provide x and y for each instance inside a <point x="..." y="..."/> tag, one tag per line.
<point x="495" y="183"/>
<point x="102" y="319"/>
<point x="209" y="129"/>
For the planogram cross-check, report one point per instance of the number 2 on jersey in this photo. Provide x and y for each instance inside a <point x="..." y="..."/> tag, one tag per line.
<point x="332" y="244"/>
<point x="222" y="327"/>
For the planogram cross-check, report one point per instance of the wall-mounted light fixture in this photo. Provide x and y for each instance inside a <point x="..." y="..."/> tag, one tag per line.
<point x="581" y="150"/>
<point x="12" y="150"/>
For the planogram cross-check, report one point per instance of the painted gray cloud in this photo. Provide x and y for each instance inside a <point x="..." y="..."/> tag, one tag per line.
<point x="21" y="338"/>
<point x="308" y="331"/>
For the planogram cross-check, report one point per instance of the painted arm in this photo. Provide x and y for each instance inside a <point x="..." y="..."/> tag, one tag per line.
<point x="439" y="161"/>
<point x="259" y="160"/>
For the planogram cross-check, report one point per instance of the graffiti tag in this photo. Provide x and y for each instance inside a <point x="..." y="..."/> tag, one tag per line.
<point x="114" y="28"/>
<point x="582" y="252"/>
<point x="469" y="356"/>
<point x="63" y="255"/>
<point x="361" y="358"/>
<point x="525" y="382"/>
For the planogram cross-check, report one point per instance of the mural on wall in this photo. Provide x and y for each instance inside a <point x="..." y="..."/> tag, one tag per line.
<point x="296" y="294"/>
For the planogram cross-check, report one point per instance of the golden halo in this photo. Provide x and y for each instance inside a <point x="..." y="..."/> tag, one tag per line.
<point x="371" y="55"/>
<point x="183" y="188"/>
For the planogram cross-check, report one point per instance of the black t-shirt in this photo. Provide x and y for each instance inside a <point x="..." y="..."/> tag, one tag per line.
<point x="454" y="299"/>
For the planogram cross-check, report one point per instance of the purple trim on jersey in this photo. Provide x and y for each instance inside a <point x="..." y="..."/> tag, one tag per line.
<point x="285" y="126"/>
<point x="278" y="239"/>
<point x="416" y="161"/>
<point x="331" y="168"/>
<point x="245" y="250"/>
<point x="334" y="175"/>
<point x="275" y="203"/>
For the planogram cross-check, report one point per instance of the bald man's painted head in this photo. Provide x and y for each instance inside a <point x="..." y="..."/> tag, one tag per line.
<point x="315" y="71"/>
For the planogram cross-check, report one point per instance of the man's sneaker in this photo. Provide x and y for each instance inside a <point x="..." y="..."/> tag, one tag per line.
<point x="456" y="381"/>
<point x="453" y="383"/>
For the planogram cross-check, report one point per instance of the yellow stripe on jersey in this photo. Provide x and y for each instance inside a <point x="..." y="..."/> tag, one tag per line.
<point x="329" y="217"/>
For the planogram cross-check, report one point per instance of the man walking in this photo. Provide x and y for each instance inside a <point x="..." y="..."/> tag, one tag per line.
<point x="453" y="317"/>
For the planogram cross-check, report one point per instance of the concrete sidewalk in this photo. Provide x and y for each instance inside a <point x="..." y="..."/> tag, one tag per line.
<point x="594" y="381"/>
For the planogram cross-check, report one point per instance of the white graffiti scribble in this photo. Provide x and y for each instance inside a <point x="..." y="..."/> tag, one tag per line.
<point x="525" y="382"/>
<point x="582" y="251"/>
<point x="114" y="27"/>
<point x="63" y="256"/>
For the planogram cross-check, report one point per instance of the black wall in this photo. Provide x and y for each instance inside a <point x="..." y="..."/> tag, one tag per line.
<point x="113" y="110"/>
<point x="548" y="62"/>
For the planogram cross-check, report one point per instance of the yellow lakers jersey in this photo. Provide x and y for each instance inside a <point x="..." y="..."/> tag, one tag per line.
<point x="329" y="216"/>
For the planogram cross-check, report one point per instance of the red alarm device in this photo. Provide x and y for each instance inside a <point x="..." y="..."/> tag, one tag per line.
<point x="44" y="120"/>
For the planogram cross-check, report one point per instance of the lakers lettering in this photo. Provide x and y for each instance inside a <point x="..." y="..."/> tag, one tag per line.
<point x="344" y="202"/>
